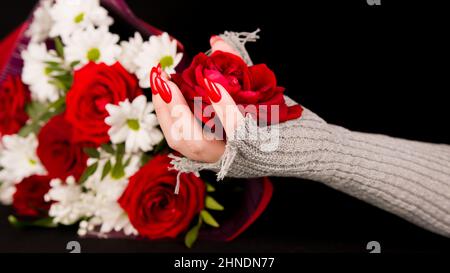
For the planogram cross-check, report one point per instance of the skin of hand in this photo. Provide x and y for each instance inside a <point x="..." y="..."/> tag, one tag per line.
<point x="182" y="131"/>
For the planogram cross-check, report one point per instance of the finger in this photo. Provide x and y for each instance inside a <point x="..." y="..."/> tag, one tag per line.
<point x="218" y="44"/>
<point x="183" y="133"/>
<point x="224" y="106"/>
<point x="161" y="110"/>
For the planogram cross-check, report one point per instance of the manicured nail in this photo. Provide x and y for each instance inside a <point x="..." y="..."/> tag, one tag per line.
<point x="214" y="39"/>
<point x="212" y="90"/>
<point x="153" y="75"/>
<point x="163" y="89"/>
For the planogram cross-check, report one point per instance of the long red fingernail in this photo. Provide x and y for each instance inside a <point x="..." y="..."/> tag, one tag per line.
<point x="214" y="39"/>
<point x="163" y="90"/>
<point x="212" y="90"/>
<point x="153" y="76"/>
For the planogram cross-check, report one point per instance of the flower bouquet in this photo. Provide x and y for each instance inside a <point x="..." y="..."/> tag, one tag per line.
<point x="80" y="143"/>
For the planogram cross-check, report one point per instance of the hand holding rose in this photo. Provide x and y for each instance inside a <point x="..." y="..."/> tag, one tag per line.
<point x="225" y="82"/>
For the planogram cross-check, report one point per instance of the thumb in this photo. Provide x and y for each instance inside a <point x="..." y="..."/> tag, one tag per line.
<point x="219" y="44"/>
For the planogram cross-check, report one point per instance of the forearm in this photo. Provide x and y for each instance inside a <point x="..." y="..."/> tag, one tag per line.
<point x="408" y="178"/>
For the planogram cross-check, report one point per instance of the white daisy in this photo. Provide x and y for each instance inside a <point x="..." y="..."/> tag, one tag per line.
<point x="68" y="207"/>
<point x="130" y="49"/>
<point x="72" y="15"/>
<point x="92" y="44"/>
<point x="7" y="190"/>
<point x="158" y="50"/>
<point x="102" y="195"/>
<point x="107" y="214"/>
<point x="96" y="200"/>
<point x="36" y="74"/>
<point x="42" y="22"/>
<point x="18" y="158"/>
<point x="133" y="123"/>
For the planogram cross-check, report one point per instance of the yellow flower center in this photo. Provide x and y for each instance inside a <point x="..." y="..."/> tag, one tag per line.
<point x="79" y="18"/>
<point x="166" y="61"/>
<point x="133" y="124"/>
<point x="93" y="54"/>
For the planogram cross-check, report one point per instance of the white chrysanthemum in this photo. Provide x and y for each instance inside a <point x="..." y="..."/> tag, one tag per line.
<point x="92" y="44"/>
<point x="7" y="190"/>
<point x="69" y="206"/>
<point x="95" y="200"/>
<point x="133" y="123"/>
<point x="72" y="15"/>
<point x="35" y="73"/>
<point x="41" y="24"/>
<point x="107" y="215"/>
<point x="130" y="49"/>
<point x="158" y="50"/>
<point x="18" y="158"/>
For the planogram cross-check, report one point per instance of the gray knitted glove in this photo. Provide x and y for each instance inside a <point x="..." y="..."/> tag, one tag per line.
<point x="408" y="178"/>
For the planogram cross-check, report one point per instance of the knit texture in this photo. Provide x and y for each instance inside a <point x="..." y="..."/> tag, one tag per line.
<point x="408" y="178"/>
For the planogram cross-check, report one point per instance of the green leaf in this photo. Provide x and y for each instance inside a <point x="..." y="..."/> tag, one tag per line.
<point x="47" y="115"/>
<point x="208" y="218"/>
<point x="44" y="222"/>
<point x="145" y="158"/>
<point x="108" y="148"/>
<point x="35" y="109"/>
<point x="211" y="203"/>
<point x="118" y="171"/>
<point x="88" y="172"/>
<point x="60" y="85"/>
<point x="59" y="47"/>
<point x="192" y="234"/>
<point x="64" y="77"/>
<point x="106" y="169"/>
<point x="120" y="149"/>
<point x="28" y="129"/>
<point x="51" y="69"/>
<point x="51" y="110"/>
<point x="53" y="64"/>
<point x="161" y="145"/>
<point x="62" y="81"/>
<point x="210" y="188"/>
<point x="91" y="152"/>
<point x="74" y="63"/>
<point x="127" y="162"/>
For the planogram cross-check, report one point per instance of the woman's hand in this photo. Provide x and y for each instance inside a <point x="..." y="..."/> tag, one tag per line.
<point x="182" y="131"/>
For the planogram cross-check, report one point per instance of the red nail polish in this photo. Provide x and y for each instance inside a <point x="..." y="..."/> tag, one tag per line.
<point x="212" y="90"/>
<point x="163" y="89"/>
<point x="153" y="76"/>
<point x="214" y="39"/>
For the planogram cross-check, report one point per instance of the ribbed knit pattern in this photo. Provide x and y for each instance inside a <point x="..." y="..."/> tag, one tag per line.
<point x="408" y="178"/>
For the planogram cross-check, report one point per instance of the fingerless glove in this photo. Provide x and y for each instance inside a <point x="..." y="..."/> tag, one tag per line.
<point x="408" y="178"/>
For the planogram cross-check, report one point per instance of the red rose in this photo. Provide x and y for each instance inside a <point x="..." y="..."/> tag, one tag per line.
<point x="58" y="152"/>
<point x="14" y="96"/>
<point x="28" y="200"/>
<point x="254" y="85"/>
<point x="153" y="207"/>
<point x="95" y="86"/>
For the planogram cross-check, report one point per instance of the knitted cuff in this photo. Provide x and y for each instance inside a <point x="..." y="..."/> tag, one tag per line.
<point x="408" y="178"/>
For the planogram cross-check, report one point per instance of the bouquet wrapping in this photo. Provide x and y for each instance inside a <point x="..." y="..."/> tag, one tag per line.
<point x="80" y="143"/>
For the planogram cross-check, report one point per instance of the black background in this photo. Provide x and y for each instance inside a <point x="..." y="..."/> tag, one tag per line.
<point x="381" y="69"/>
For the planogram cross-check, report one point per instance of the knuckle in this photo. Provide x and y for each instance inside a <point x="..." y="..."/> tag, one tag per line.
<point x="174" y="144"/>
<point x="196" y="148"/>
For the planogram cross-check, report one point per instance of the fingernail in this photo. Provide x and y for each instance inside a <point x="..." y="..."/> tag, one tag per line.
<point x="212" y="90"/>
<point x="163" y="89"/>
<point x="214" y="39"/>
<point x="153" y="76"/>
